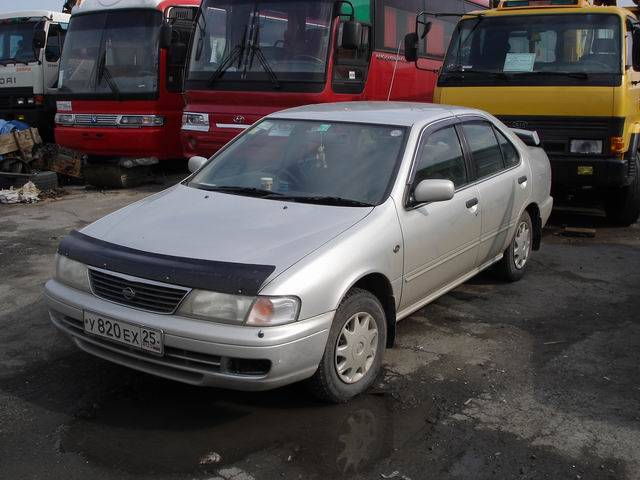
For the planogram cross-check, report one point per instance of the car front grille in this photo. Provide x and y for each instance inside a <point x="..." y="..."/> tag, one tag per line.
<point x="141" y="294"/>
<point x="100" y="120"/>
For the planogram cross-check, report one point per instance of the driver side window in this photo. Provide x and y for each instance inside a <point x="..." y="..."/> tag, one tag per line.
<point x="440" y="157"/>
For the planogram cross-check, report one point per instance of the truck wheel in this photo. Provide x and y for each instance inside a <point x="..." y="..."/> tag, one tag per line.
<point x="516" y="257"/>
<point x="353" y="355"/>
<point x="623" y="206"/>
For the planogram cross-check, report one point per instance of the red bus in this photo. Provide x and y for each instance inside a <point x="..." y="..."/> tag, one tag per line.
<point x="249" y="58"/>
<point x="120" y="86"/>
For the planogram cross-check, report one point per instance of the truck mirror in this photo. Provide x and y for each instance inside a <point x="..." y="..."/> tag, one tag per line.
<point x="39" y="39"/>
<point x="635" y="53"/>
<point x="351" y="35"/>
<point x="411" y="47"/>
<point x="166" y="35"/>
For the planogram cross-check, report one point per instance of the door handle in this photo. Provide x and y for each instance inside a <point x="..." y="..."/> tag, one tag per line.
<point x="522" y="179"/>
<point x="472" y="202"/>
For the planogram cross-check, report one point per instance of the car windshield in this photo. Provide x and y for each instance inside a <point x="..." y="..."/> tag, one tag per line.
<point x="545" y="47"/>
<point x="320" y="162"/>
<point x="271" y="41"/>
<point x="16" y="40"/>
<point x="114" y="53"/>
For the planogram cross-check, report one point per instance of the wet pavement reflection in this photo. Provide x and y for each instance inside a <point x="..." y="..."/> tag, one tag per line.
<point x="160" y="427"/>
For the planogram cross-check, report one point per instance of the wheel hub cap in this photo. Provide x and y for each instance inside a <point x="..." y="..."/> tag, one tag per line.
<point x="521" y="245"/>
<point x="356" y="347"/>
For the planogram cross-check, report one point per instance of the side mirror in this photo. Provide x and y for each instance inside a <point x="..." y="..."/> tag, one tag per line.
<point x="528" y="137"/>
<point x="351" y="35"/>
<point x="166" y="34"/>
<point x="411" y="47"/>
<point x="195" y="163"/>
<point x="635" y="53"/>
<point x="434" y="190"/>
<point x="39" y="39"/>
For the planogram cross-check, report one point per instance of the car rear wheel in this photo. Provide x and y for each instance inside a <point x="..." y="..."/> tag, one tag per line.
<point x="353" y="355"/>
<point x="516" y="257"/>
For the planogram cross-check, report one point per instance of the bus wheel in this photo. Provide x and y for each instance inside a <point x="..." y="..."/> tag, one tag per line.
<point x="623" y="206"/>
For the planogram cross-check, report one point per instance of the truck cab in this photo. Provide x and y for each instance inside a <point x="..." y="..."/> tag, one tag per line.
<point x="30" y="49"/>
<point x="569" y="70"/>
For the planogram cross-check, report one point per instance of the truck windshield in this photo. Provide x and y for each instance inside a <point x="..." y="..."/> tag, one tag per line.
<point x="113" y="53"/>
<point x="261" y="42"/>
<point x="558" y="49"/>
<point x="16" y="39"/>
<point x="307" y="161"/>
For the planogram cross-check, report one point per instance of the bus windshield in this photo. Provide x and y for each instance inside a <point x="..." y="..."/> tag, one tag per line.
<point x="16" y="39"/>
<point x="111" y="53"/>
<point x="266" y="42"/>
<point x="535" y="50"/>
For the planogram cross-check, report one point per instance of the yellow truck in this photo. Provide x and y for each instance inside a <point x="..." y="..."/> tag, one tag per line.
<point x="568" y="69"/>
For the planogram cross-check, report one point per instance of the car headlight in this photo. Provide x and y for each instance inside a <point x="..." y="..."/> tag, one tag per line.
<point x="586" y="146"/>
<point x="31" y="101"/>
<point x="65" y="119"/>
<point x="141" y="121"/>
<point x="195" y="121"/>
<point x="72" y="273"/>
<point x="20" y="101"/>
<point x="240" y="310"/>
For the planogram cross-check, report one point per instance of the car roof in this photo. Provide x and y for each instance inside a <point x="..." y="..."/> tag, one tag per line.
<point x="404" y="114"/>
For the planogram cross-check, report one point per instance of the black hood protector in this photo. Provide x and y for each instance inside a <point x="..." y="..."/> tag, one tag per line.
<point x="222" y="277"/>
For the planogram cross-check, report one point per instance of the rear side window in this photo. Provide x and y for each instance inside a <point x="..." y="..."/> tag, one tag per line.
<point x="485" y="151"/>
<point x="441" y="157"/>
<point x="509" y="152"/>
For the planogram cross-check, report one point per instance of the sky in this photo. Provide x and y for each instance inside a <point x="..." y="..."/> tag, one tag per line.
<point x="56" y="5"/>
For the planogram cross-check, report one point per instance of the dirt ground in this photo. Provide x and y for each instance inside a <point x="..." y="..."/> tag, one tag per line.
<point x="532" y="380"/>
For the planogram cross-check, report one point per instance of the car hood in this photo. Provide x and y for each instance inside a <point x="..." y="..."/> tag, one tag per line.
<point x="195" y="224"/>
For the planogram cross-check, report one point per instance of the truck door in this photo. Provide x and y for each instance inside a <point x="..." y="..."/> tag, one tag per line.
<point x="52" y="54"/>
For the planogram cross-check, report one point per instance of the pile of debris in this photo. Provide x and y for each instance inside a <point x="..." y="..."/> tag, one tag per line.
<point x="28" y="193"/>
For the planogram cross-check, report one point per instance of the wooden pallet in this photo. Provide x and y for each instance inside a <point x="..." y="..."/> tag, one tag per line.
<point x="22" y="142"/>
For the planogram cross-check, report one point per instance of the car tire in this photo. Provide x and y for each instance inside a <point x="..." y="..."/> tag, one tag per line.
<point x="513" y="264"/>
<point x="340" y="378"/>
<point x="623" y="206"/>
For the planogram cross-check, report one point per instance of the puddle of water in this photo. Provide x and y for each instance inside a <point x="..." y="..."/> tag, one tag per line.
<point x="156" y="427"/>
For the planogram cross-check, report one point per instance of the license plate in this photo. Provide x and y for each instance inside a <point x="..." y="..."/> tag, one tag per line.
<point x="585" y="170"/>
<point x="137" y="336"/>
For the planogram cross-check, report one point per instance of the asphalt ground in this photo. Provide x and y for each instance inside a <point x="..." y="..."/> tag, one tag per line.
<point x="537" y="379"/>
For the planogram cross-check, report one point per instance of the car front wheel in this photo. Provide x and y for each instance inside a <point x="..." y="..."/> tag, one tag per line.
<point x="353" y="355"/>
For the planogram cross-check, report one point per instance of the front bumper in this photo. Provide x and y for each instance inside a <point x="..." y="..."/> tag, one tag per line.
<point x="197" y="352"/>
<point x="206" y="144"/>
<point x="605" y="172"/>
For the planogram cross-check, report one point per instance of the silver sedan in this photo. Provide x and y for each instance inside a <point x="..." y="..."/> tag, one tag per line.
<point x="293" y="252"/>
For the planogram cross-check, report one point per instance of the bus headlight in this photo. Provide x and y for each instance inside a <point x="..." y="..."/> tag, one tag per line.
<point x="141" y="121"/>
<point x="65" y="119"/>
<point x="589" y="147"/>
<point x="195" y="121"/>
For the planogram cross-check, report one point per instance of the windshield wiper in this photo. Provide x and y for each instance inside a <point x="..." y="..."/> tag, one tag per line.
<point x="321" y="200"/>
<point x="493" y="73"/>
<point x="249" y="191"/>
<point x="104" y="72"/>
<point x="226" y="62"/>
<point x="256" y="51"/>
<point x="581" y="75"/>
